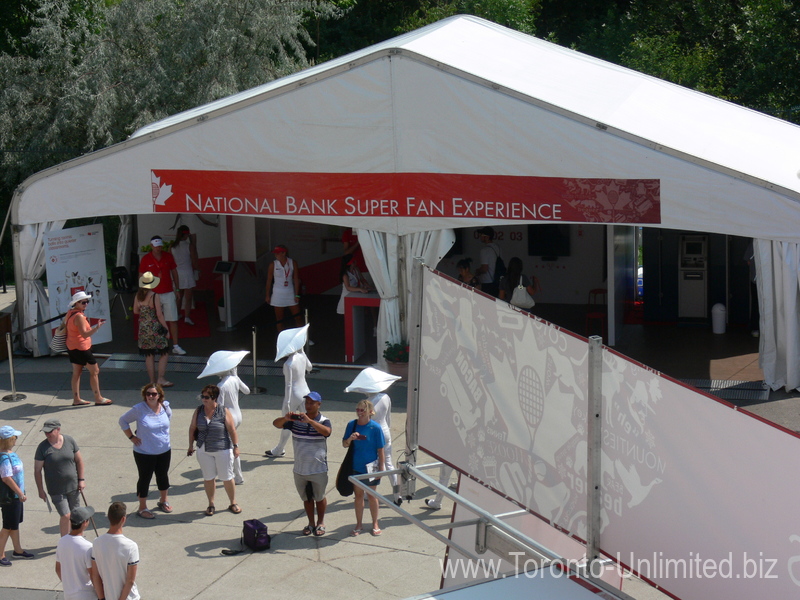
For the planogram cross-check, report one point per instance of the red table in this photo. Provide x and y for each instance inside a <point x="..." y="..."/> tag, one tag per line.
<point x="354" y="345"/>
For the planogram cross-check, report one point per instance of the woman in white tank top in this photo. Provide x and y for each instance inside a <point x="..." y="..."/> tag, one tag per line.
<point x="283" y="286"/>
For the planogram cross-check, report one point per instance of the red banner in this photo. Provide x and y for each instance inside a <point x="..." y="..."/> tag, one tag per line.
<point x="437" y="195"/>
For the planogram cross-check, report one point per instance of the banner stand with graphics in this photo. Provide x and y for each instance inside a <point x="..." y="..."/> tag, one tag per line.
<point x="76" y="262"/>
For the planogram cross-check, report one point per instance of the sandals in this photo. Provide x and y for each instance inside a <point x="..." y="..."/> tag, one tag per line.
<point x="355" y="532"/>
<point x="166" y="384"/>
<point x="81" y="403"/>
<point x="210" y="510"/>
<point x="164" y="506"/>
<point x="319" y="531"/>
<point x="376" y="532"/>
<point x="105" y="402"/>
<point x="235" y="509"/>
<point x="145" y="513"/>
<point x="307" y="530"/>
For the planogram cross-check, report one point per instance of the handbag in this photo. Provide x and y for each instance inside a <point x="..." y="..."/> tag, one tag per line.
<point x="196" y="430"/>
<point x="343" y="484"/>
<point x="522" y="298"/>
<point x="6" y="493"/>
<point x="59" y="342"/>
<point x="254" y="535"/>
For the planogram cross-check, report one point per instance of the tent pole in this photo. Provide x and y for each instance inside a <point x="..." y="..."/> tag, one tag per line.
<point x="594" y="495"/>
<point x="402" y="288"/>
<point x="18" y="278"/>
<point x="407" y="484"/>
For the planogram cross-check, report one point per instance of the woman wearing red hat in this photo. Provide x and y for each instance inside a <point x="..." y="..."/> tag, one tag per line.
<point x="283" y="286"/>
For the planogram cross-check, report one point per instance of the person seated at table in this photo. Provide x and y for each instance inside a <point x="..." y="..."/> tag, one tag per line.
<point x="353" y="281"/>
<point x="465" y="273"/>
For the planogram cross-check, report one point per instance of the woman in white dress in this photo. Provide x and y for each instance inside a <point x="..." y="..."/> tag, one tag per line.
<point x="290" y="343"/>
<point x="373" y="382"/>
<point x="184" y="251"/>
<point x="283" y="286"/>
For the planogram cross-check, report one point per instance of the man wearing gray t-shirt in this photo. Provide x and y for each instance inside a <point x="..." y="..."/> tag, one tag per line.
<point x="59" y="457"/>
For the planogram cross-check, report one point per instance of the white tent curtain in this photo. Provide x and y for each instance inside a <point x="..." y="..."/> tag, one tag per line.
<point x="380" y="254"/>
<point x="125" y="240"/>
<point x="431" y="246"/>
<point x="778" y="282"/>
<point x="35" y="306"/>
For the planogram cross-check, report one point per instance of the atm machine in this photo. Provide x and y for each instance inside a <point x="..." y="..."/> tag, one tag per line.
<point x="693" y="277"/>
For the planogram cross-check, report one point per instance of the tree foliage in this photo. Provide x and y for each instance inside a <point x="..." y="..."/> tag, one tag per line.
<point x="87" y="75"/>
<point x="745" y="51"/>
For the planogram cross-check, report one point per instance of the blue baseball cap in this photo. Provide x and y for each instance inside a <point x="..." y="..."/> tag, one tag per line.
<point x="7" y="431"/>
<point x="314" y="396"/>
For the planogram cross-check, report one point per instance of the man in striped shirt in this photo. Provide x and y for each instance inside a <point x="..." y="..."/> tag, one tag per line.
<point x="310" y="432"/>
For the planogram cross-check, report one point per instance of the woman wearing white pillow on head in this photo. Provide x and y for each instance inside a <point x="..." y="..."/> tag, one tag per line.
<point x="290" y="343"/>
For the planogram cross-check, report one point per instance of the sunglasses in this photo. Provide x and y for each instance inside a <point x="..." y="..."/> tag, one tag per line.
<point x="151" y="393"/>
<point x="206" y="397"/>
<point x="83" y="302"/>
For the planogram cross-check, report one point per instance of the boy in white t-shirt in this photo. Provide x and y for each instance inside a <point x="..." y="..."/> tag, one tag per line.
<point x="74" y="557"/>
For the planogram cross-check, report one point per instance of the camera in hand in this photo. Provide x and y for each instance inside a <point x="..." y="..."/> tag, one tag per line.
<point x="295" y="416"/>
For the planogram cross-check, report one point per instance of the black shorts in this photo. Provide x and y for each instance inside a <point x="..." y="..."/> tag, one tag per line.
<point x="12" y="515"/>
<point x="81" y="357"/>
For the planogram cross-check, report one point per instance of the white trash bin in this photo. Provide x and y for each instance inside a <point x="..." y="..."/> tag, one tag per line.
<point x="718" y="313"/>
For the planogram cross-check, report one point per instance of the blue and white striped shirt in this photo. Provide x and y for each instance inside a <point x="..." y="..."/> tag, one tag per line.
<point x="310" y="446"/>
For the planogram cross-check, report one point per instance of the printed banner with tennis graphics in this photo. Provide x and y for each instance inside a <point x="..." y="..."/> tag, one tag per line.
<point x="697" y="496"/>
<point x="422" y="195"/>
<point x="76" y="262"/>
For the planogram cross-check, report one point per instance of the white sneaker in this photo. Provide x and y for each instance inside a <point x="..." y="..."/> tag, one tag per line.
<point x="188" y="321"/>
<point x="431" y="504"/>
<point x="178" y="350"/>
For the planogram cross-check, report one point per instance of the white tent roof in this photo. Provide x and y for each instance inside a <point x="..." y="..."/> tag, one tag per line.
<point x="461" y="96"/>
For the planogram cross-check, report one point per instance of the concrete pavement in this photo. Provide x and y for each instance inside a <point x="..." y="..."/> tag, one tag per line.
<point x="181" y="552"/>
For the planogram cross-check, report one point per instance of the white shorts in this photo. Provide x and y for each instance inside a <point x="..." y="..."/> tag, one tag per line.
<point x="216" y="465"/>
<point x="169" y="306"/>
